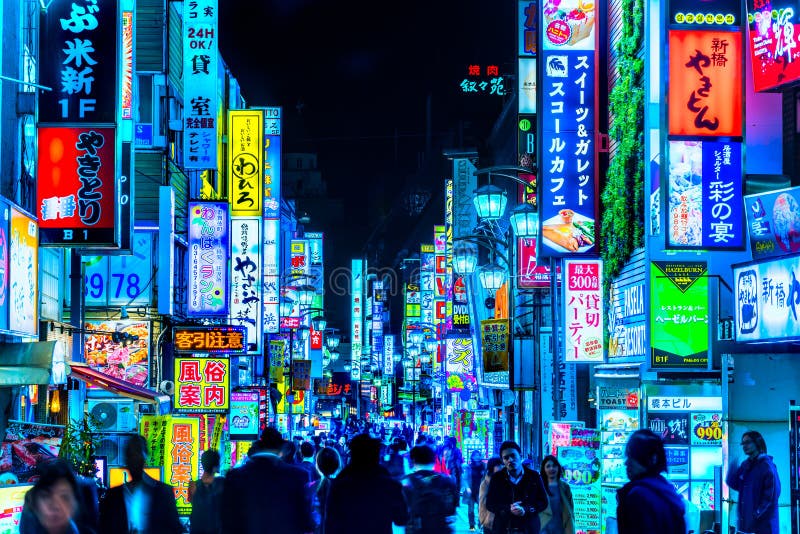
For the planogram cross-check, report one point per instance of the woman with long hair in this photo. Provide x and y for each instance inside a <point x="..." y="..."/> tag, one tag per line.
<point x="485" y="517"/>
<point x="328" y="464"/>
<point x="558" y="517"/>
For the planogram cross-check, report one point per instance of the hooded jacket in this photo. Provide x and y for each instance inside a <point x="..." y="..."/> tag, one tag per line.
<point x="650" y="504"/>
<point x="758" y="485"/>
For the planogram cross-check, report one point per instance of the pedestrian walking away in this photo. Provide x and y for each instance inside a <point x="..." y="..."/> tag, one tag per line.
<point x="432" y="497"/>
<point x="475" y="472"/>
<point x="205" y="495"/>
<point x="756" y="480"/>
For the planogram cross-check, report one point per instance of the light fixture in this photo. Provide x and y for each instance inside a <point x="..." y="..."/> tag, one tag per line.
<point x="396" y="358"/>
<point x="430" y="345"/>
<point x="492" y="276"/>
<point x="465" y="259"/>
<point x="306" y="295"/>
<point x="326" y="360"/>
<point x="286" y="307"/>
<point x="334" y="355"/>
<point x="490" y="202"/>
<point x="327" y="373"/>
<point x="413" y="351"/>
<point x="319" y="323"/>
<point x="55" y="402"/>
<point x="332" y="340"/>
<point x="416" y="336"/>
<point x="366" y="359"/>
<point x="525" y="221"/>
<point x="302" y="333"/>
<point x="347" y="367"/>
<point x="408" y="364"/>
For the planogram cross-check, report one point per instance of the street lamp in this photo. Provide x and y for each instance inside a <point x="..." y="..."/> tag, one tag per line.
<point x="525" y="221"/>
<point x="319" y="323"/>
<point x="332" y="339"/>
<point x="492" y="276"/>
<point x="416" y="336"/>
<point x="305" y="295"/>
<point x="465" y="259"/>
<point x="490" y="202"/>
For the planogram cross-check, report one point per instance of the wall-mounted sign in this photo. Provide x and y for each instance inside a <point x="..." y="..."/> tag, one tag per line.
<point x="527" y="23"/>
<point x="705" y="89"/>
<point x="494" y="345"/>
<point x="79" y="61"/>
<point x="627" y="328"/>
<point x="611" y="398"/>
<point x="182" y="458"/>
<point x="245" y="161"/>
<point x="679" y="315"/>
<point x="76" y="188"/>
<point x="202" y="385"/>
<point x="768" y="300"/>
<point x="707" y="428"/>
<point x="301" y="374"/>
<point x="773" y="222"/>
<point x="704" y="194"/>
<point x="356" y="315"/>
<point x="583" y="311"/>
<point x="271" y="293"/>
<point x="23" y="274"/>
<point x="482" y="81"/>
<point x="214" y="339"/>
<point x="245" y="287"/>
<point x="5" y="222"/>
<point x="272" y="162"/>
<point x="527" y="85"/>
<point x="388" y="355"/>
<point x="459" y="364"/>
<point x="208" y="259"/>
<point x="774" y="50"/>
<point x="121" y="280"/>
<point x="125" y="356"/>
<point x="243" y="420"/>
<point x="712" y="14"/>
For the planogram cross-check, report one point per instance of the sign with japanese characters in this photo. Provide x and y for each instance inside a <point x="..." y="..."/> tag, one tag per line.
<point x="774" y="43"/>
<point x="120" y="349"/>
<point x="483" y="80"/>
<point x="773" y="222"/>
<point x="76" y="187"/>
<point x="460" y="364"/>
<point x="705" y="195"/>
<point x="212" y="339"/>
<point x="705" y="89"/>
<point x="582" y="472"/>
<point x="182" y="458"/>
<point x="301" y="374"/>
<point x="200" y="80"/>
<point x="711" y="14"/>
<point x="277" y="358"/>
<point x="673" y="428"/>
<point x="679" y="322"/>
<point x="683" y="403"/>
<point x="527" y="85"/>
<point x="23" y="274"/>
<point x="707" y="429"/>
<point x="388" y="355"/>
<point x="5" y="221"/>
<point x="202" y="385"/>
<point x="767" y="305"/>
<point x="527" y="23"/>
<point x="245" y="285"/>
<point x="494" y="345"/>
<point x="356" y="315"/>
<point x="567" y="154"/>
<point x="583" y="311"/>
<point x="79" y="61"/>
<point x="464" y="185"/>
<point x="245" y="161"/>
<point x="243" y="421"/>
<point x="272" y="291"/>
<point x="423" y="304"/>
<point x="272" y="162"/>
<point x="208" y="259"/>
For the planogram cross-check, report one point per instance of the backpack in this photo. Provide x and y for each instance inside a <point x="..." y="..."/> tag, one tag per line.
<point x="432" y="500"/>
<point x="206" y="506"/>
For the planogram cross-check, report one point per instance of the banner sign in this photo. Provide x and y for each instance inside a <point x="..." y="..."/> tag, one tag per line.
<point x="244" y="415"/>
<point x="23" y="274"/>
<point x="583" y="311"/>
<point x="427" y="284"/>
<point x="773" y="221"/>
<point x="208" y="259"/>
<point x="5" y="230"/>
<point x="464" y="185"/>
<point x="301" y="375"/>
<point x="679" y="322"/>
<point x="627" y="325"/>
<point x="272" y="163"/>
<point x="460" y="364"/>
<point x="277" y="357"/>
<point x="202" y="385"/>
<point x="272" y="292"/>
<point x="120" y="349"/>
<point x="200" y="80"/>
<point x="79" y="61"/>
<point x="182" y="458"/>
<point x="77" y="186"/>
<point x="767" y="300"/>
<point x="705" y="192"/>
<point x="705" y="89"/>
<point x="494" y="344"/>
<point x="711" y="14"/>
<point x="245" y="286"/>
<point x="527" y="15"/>
<point x="356" y="316"/>
<point x="213" y="339"/>
<point x="582" y="473"/>
<point x="245" y="161"/>
<point x="388" y="355"/>
<point x="774" y="50"/>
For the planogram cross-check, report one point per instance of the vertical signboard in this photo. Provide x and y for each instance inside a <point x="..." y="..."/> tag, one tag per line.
<point x="272" y="162"/>
<point x="774" y="50"/>
<point x="208" y="259"/>
<point x="448" y="254"/>
<point x="182" y="458"/>
<point x="76" y="186"/>
<point x="388" y="356"/>
<point x="202" y="385"/>
<point x="679" y="318"/>
<point x="23" y="277"/>
<point x="568" y="203"/>
<point x="427" y="283"/>
<point x="464" y="185"/>
<point x="494" y="344"/>
<point x="582" y="472"/>
<point x="460" y="364"/>
<point x="245" y="286"/>
<point x="200" y="80"/>
<point x="5" y="263"/>
<point x="271" y="275"/>
<point x="440" y="274"/>
<point x="79" y="60"/>
<point x="773" y="222"/>
<point x="583" y="311"/>
<point x="245" y="161"/>
<point x="356" y="316"/>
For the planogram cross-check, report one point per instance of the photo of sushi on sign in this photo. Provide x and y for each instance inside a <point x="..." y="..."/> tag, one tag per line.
<point x="569" y="24"/>
<point x="568" y="232"/>
<point x="120" y="349"/>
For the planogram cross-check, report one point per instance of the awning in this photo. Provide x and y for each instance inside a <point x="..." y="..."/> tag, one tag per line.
<point x="25" y="364"/>
<point x="120" y="387"/>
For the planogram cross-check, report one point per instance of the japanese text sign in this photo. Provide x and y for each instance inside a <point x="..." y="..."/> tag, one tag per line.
<point x="79" y="61"/>
<point x="494" y="345"/>
<point x="208" y="259"/>
<point x="77" y="186"/>
<point x="682" y="403"/>
<point x="210" y="339"/>
<point x="714" y="14"/>
<point x="244" y="415"/>
<point x="23" y="274"/>
<point x="182" y="458"/>
<point x="154" y="429"/>
<point x="301" y="374"/>
<point x="774" y="46"/>
<point x="200" y="79"/>
<point x="202" y="385"/>
<point x="245" y="287"/>
<point x="272" y="162"/>
<point x="460" y="364"/>
<point x="705" y="89"/>
<point x="128" y="358"/>
<point x="120" y="280"/>
<point x="582" y="472"/>
<point x="527" y="23"/>
<point x="583" y="309"/>
<point x="271" y="290"/>
<point x="5" y="221"/>
<point x="490" y="83"/>
<point x="679" y="327"/>
<point x="773" y="222"/>
<point x="768" y="300"/>
<point x="705" y="195"/>
<point x="356" y="313"/>
<point x="245" y="161"/>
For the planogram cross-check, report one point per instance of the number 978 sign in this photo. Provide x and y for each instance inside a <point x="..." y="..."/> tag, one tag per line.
<point x="121" y="280"/>
<point x="707" y="429"/>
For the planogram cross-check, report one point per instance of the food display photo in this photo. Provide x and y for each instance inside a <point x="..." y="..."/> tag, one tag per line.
<point x="569" y="24"/>
<point x="120" y="349"/>
<point x="569" y="232"/>
<point x="25" y="445"/>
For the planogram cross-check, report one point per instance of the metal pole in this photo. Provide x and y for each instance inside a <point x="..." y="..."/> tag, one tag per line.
<point x="511" y="315"/>
<point x="291" y="380"/>
<point x="555" y="312"/>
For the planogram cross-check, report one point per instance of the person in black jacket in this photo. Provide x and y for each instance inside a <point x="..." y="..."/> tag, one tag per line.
<point x="516" y="495"/>
<point x="756" y="480"/>
<point x="648" y="503"/>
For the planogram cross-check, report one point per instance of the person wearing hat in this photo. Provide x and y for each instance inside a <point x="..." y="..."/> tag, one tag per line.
<point x="648" y="503"/>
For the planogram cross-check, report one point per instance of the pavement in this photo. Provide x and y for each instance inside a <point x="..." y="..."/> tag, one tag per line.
<point x="461" y="525"/>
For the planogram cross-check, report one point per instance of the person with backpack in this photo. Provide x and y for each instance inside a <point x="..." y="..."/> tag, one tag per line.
<point x="432" y="497"/>
<point x="205" y="495"/>
<point x="475" y="472"/>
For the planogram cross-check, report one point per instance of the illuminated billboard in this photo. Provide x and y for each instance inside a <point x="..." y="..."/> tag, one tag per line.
<point x="213" y="339"/>
<point x="202" y="385"/>
<point x="583" y="311"/>
<point x="772" y="37"/>
<point x="208" y="259"/>
<point x="245" y="161"/>
<point x="773" y="222"/>
<point x="200" y="80"/>
<point x="245" y="272"/>
<point x="767" y="304"/>
<point x="23" y="274"/>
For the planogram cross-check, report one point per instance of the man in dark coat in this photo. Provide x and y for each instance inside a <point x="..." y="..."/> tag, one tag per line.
<point x="648" y="503"/>
<point x="364" y="497"/>
<point x="516" y="495"/>
<point x="267" y="494"/>
<point x="756" y="480"/>
<point x="143" y="504"/>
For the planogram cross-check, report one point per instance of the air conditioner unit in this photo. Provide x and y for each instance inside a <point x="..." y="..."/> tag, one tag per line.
<point x="113" y="415"/>
<point x="112" y="446"/>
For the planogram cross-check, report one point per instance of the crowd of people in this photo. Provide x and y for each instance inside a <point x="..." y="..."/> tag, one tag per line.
<point x="358" y="483"/>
